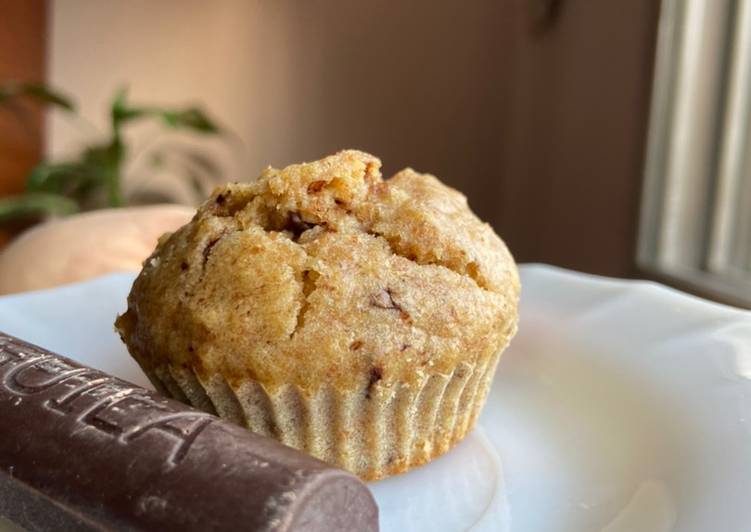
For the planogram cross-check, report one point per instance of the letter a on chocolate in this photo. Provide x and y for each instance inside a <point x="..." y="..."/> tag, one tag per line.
<point x="82" y="450"/>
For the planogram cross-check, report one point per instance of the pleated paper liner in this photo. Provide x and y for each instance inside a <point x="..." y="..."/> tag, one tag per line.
<point x="374" y="433"/>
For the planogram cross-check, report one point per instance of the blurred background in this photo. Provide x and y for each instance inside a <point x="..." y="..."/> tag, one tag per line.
<point x="602" y="136"/>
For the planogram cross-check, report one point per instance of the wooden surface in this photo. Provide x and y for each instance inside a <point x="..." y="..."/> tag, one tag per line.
<point x="22" y="54"/>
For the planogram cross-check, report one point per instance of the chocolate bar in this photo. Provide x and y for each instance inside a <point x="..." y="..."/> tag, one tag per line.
<point x="83" y="450"/>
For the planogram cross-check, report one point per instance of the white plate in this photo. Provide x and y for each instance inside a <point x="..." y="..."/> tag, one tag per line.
<point x="621" y="406"/>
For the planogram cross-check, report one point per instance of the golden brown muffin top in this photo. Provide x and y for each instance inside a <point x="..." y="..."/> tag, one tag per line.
<point x="325" y="273"/>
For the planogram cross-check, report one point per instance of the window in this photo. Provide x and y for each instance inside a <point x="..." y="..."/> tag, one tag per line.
<point x="695" y="226"/>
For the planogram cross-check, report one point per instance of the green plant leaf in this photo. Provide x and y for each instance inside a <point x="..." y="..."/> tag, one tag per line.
<point x="191" y="118"/>
<point x="120" y="96"/>
<point x="105" y="162"/>
<point x="97" y="169"/>
<point x="35" y="205"/>
<point x="104" y="155"/>
<point x="37" y="91"/>
<point x="56" y="178"/>
<point x="121" y="112"/>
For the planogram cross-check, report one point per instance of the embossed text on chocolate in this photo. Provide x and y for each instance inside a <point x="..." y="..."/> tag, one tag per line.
<point x="96" y="401"/>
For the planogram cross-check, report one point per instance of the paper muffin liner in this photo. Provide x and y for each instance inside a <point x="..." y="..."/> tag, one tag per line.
<point x="374" y="432"/>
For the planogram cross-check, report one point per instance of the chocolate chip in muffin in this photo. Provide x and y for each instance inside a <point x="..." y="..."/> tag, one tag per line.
<point x="376" y="374"/>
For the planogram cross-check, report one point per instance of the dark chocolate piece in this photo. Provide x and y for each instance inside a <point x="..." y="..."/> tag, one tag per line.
<point x="82" y="450"/>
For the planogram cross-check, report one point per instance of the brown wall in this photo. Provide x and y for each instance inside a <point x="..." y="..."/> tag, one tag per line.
<point x="422" y="84"/>
<point x="574" y="136"/>
<point x="22" y="51"/>
<point x="541" y="125"/>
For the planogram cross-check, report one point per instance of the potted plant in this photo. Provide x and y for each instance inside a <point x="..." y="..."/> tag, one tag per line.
<point x="75" y="243"/>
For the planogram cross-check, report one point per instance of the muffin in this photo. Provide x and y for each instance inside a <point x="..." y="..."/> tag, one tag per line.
<point x="355" y="318"/>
